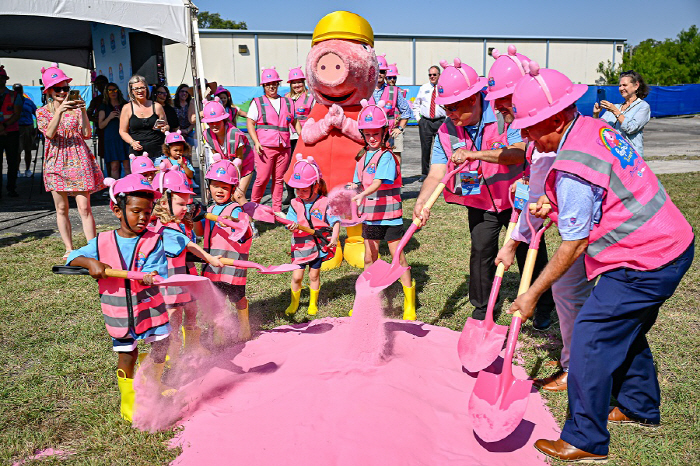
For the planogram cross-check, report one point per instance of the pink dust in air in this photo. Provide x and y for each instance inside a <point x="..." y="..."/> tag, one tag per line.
<point x="340" y="202"/>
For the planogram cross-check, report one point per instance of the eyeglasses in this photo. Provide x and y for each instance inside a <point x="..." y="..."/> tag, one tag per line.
<point x="161" y="93"/>
<point x="137" y="89"/>
<point x="451" y="108"/>
<point x="61" y="88"/>
<point x="432" y="75"/>
<point x="391" y="78"/>
<point x="112" y="91"/>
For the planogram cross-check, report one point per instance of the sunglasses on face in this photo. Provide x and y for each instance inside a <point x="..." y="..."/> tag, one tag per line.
<point x="138" y="89"/>
<point x="432" y="75"/>
<point x="451" y="108"/>
<point x="161" y="93"/>
<point x="112" y="91"/>
<point x="61" y="88"/>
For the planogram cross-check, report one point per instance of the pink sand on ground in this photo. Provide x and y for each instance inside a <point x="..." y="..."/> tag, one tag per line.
<point x="45" y="454"/>
<point x="313" y="394"/>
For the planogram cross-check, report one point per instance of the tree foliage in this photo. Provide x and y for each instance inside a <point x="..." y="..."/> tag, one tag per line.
<point x="663" y="63"/>
<point x="208" y="20"/>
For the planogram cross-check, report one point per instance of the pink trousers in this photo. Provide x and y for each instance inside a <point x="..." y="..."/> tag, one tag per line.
<point x="272" y="163"/>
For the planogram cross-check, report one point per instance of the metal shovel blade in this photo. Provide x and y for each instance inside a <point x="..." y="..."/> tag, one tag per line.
<point x="478" y="346"/>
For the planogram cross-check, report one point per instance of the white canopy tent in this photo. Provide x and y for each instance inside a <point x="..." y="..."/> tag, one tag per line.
<point x="60" y="31"/>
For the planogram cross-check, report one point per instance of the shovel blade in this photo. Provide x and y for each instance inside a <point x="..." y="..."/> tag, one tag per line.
<point x="279" y="268"/>
<point x="478" y="347"/>
<point x="183" y="280"/>
<point x="259" y="212"/>
<point x="497" y="411"/>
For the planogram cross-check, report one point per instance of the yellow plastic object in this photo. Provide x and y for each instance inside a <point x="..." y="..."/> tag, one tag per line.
<point x="313" y="301"/>
<point x="409" y="302"/>
<point x="343" y="25"/>
<point x="294" y="305"/>
<point x="335" y="262"/>
<point x="244" y="332"/>
<point x="350" y="313"/>
<point x="128" y="395"/>
<point x="192" y="339"/>
<point x="354" y="230"/>
<point x="355" y="251"/>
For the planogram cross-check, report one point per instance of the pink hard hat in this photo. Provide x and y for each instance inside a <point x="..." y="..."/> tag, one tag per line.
<point x="221" y="90"/>
<point x="141" y="164"/>
<point x="296" y="73"/>
<point x="172" y="180"/>
<point x="176" y="136"/>
<point x="226" y="171"/>
<point x="213" y="111"/>
<point x="383" y="65"/>
<point x="305" y="173"/>
<point x="457" y="82"/>
<point x="542" y="93"/>
<point x="392" y="70"/>
<point x="505" y="72"/>
<point x="372" y="116"/>
<point x="53" y="75"/>
<point x="3" y="73"/>
<point x="269" y="75"/>
<point x="131" y="183"/>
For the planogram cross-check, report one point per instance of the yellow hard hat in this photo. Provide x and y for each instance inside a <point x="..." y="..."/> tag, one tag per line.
<point x="343" y="25"/>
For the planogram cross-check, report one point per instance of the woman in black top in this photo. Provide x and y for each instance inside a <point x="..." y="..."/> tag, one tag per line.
<point x="161" y="94"/>
<point x="142" y="122"/>
<point x="185" y="112"/>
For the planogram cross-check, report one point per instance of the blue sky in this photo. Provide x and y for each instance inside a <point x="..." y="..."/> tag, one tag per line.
<point x="632" y="20"/>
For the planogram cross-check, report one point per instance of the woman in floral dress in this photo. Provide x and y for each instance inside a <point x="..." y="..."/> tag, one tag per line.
<point x="69" y="166"/>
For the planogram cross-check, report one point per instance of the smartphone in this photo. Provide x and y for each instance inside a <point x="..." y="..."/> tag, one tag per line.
<point x="159" y="124"/>
<point x="74" y="95"/>
<point x="601" y="95"/>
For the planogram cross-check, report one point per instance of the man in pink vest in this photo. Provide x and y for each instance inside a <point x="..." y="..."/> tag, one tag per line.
<point x="497" y="155"/>
<point x="611" y="207"/>
<point x="10" y="112"/>
<point x="396" y="106"/>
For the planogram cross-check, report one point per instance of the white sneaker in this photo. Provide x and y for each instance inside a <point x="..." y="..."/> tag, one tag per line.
<point x="28" y="173"/>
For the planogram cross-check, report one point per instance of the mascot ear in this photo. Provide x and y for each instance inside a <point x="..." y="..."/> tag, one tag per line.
<point x="216" y="157"/>
<point x="443" y="63"/>
<point x="364" y="103"/>
<point x="310" y="159"/>
<point x="163" y="165"/>
<point x="132" y="156"/>
<point x="512" y="50"/>
<point x="495" y="53"/>
<point x="299" y="157"/>
<point x="179" y="132"/>
<point x="458" y="63"/>
<point x="381" y="103"/>
<point x="145" y="154"/>
<point x="167" y="133"/>
<point x="534" y="68"/>
<point x="237" y="162"/>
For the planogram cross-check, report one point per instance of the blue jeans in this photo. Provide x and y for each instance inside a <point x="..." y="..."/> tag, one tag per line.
<point x="610" y="354"/>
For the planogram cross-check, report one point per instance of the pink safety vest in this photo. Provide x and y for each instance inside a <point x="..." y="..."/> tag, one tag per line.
<point x="304" y="247"/>
<point x="175" y="295"/>
<point x="273" y="129"/>
<point x="126" y="304"/>
<point x="495" y="179"/>
<point x="390" y="95"/>
<point x="302" y="107"/>
<point x="216" y="243"/>
<point x="640" y="227"/>
<point x="385" y="204"/>
<point x="232" y="114"/>
<point x="8" y="109"/>
<point x="234" y="136"/>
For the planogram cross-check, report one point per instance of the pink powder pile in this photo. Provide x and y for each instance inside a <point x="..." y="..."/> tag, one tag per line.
<point x="47" y="453"/>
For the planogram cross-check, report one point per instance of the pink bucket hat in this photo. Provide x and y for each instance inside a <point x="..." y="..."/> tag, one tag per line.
<point x="174" y="137"/>
<point x="305" y="173"/>
<point x="141" y="164"/>
<point x="269" y="75"/>
<point x="131" y="183"/>
<point x="383" y="65"/>
<point x="372" y="116"/>
<point x="457" y="82"/>
<point x="392" y="71"/>
<point x="542" y="93"/>
<point x="296" y="73"/>
<point x="172" y="180"/>
<point x="505" y="72"/>
<point x="53" y="75"/>
<point x="226" y="171"/>
<point x="213" y="111"/>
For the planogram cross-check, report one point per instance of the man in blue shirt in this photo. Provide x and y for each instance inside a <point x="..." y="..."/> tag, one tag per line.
<point x="402" y="108"/>
<point x="27" y="129"/>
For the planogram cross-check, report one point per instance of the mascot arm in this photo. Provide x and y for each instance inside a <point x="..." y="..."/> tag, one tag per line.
<point x="350" y="130"/>
<point x="314" y="131"/>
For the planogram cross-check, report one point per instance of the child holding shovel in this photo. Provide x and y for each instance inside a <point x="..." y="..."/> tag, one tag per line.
<point x="133" y="310"/>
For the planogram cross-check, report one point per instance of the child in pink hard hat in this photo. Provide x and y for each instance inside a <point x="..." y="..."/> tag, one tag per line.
<point x="378" y="176"/>
<point x="143" y="165"/>
<point x="222" y="178"/>
<point x="177" y="153"/>
<point x="133" y="310"/>
<point x="175" y="224"/>
<point x="224" y="97"/>
<point x="310" y="209"/>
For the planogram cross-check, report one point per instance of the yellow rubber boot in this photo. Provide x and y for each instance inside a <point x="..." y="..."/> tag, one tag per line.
<point x="409" y="302"/>
<point x="128" y="395"/>
<point x="244" y="332"/>
<point x="350" y="313"/>
<point x="313" y="301"/>
<point x="294" y="305"/>
<point x="191" y="339"/>
<point x="156" y="373"/>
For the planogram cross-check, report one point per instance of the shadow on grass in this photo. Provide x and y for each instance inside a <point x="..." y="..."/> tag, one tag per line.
<point x="25" y="237"/>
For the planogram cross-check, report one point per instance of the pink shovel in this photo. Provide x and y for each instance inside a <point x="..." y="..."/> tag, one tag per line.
<point x="381" y="274"/>
<point x="263" y="269"/>
<point x="342" y="205"/>
<point x="239" y="226"/>
<point x="175" y="280"/>
<point x="498" y="402"/>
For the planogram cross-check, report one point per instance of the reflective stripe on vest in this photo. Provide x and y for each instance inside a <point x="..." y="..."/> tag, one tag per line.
<point x="385" y="204"/>
<point x="640" y="227"/>
<point x="302" y="107"/>
<point x="273" y="128"/>
<point x="176" y="266"/>
<point x="390" y="96"/>
<point x="495" y="179"/>
<point x="304" y="246"/>
<point x="126" y="304"/>
<point x="216" y="243"/>
<point x="8" y="109"/>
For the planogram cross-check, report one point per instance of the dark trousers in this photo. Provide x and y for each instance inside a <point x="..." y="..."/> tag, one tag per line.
<point x="9" y="144"/>
<point x="610" y="354"/>
<point x="427" y="129"/>
<point x="485" y="228"/>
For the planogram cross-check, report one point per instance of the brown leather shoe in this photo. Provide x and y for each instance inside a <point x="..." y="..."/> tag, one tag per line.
<point x="554" y="383"/>
<point x="618" y="417"/>
<point x="559" y="449"/>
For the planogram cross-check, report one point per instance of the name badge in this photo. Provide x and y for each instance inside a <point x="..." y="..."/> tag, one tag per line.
<point x="522" y="194"/>
<point x="469" y="183"/>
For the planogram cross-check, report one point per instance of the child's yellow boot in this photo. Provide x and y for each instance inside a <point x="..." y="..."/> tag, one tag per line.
<point x="128" y="395"/>
<point x="294" y="305"/>
<point x="313" y="301"/>
<point x="244" y="332"/>
<point x="191" y="340"/>
<point x="156" y="373"/>
<point x="409" y="301"/>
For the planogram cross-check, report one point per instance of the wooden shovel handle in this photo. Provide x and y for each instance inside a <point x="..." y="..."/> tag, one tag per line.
<point x="284" y="221"/>
<point x="215" y="218"/>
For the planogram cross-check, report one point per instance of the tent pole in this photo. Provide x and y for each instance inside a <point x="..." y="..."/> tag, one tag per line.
<point x="198" y="74"/>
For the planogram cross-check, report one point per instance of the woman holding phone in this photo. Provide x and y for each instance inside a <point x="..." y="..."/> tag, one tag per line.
<point x="69" y="166"/>
<point x="142" y="123"/>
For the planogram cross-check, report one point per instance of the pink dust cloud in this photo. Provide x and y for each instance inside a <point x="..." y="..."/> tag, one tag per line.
<point x="359" y="390"/>
<point x="340" y="202"/>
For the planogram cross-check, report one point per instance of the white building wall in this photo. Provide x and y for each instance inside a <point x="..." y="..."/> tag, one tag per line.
<point x="28" y="72"/>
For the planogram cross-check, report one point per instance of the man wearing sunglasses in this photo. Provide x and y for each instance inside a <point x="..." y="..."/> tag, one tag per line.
<point x="10" y="111"/>
<point x="430" y="117"/>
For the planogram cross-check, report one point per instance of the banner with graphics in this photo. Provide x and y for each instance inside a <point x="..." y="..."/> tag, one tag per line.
<point x="112" y="53"/>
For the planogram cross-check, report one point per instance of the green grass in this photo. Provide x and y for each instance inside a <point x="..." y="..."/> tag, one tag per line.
<point x="59" y="388"/>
